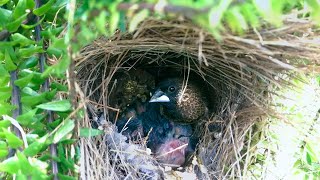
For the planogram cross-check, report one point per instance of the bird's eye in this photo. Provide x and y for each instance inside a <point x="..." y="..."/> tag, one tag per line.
<point x="171" y="89"/>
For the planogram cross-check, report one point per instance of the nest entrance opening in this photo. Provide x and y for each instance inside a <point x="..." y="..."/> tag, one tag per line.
<point x="116" y="82"/>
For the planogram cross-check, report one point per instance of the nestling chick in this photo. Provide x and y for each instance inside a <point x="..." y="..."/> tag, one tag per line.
<point x="178" y="146"/>
<point x="172" y="152"/>
<point x="181" y="102"/>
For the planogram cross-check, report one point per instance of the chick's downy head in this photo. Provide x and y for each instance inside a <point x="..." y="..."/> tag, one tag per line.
<point x="172" y="152"/>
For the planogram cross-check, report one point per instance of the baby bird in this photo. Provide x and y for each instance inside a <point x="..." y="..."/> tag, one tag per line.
<point x="171" y="143"/>
<point x="181" y="102"/>
<point x="178" y="146"/>
<point x="172" y="152"/>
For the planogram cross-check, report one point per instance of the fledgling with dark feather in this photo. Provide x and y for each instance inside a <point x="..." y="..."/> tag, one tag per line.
<point x="171" y="143"/>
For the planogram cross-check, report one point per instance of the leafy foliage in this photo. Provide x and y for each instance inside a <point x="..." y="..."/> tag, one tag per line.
<point x="66" y="28"/>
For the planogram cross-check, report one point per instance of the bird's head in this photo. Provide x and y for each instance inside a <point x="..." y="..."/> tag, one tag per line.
<point x="167" y="91"/>
<point x="181" y="100"/>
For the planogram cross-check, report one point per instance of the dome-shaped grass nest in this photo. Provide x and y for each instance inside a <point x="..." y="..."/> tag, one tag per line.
<point x="238" y="73"/>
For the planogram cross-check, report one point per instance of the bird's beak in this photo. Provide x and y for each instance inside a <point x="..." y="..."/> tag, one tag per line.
<point x="159" y="96"/>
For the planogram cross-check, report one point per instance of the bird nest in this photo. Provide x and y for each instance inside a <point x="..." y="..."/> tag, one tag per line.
<point x="238" y="73"/>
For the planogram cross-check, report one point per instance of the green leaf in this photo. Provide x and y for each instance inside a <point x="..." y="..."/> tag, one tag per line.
<point x="13" y="26"/>
<point x="52" y="51"/>
<point x="22" y="40"/>
<point x="26" y="26"/>
<point x="65" y="129"/>
<point x="89" y="132"/>
<point x="10" y="165"/>
<point x="25" y="166"/>
<point x="122" y="22"/>
<point x="3" y="71"/>
<point x="54" y="124"/>
<point x="308" y="158"/>
<point x="30" y="51"/>
<point x="86" y="35"/>
<point x="37" y="79"/>
<point x="50" y="94"/>
<point x="30" y="4"/>
<point x="2" y="2"/>
<point x="12" y="140"/>
<point x="6" y="108"/>
<point x="65" y="177"/>
<point x="12" y="53"/>
<point x="57" y="48"/>
<point x="27" y="118"/>
<point x="35" y="147"/>
<point x="29" y="63"/>
<point x="114" y="21"/>
<point x="44" y="8"/>
<point x="5" y="123"/>
<point x="4" y="45"/>
<point x="235" y="20"/>
<point x="20" y="9"/>
<point x="68" y="141"/>
<point x="10" y="66"/>
<point x="29" y="91"/>
<point x="3" y="153"/>
<point x="33" y="100"/>
<point x="23" y="82"/>
<point x="58" y="69"/>
<point x="310" y="149"/>
<point x="67" y="163"/>
<point x="5" y="16"/>
<point x="250" y="14"/>
<point x="100" y="22"/>
<point x="137" y="18"/>
<point x="5" y="93"/>
<point x="59" y="87"/>
<point x="5" y="77"/>
<point x="61" y="106"/>
<point x="51" y="32"/>
<point x="21" y="176"/>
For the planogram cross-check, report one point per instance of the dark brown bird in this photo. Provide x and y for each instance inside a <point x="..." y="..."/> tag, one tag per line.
<point x="182" y="102"/>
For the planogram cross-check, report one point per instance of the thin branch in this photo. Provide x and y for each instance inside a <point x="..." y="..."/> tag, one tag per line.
<point x="71" y="70"/>
<point x="15" y="101"/>
<point x="45" y="87"/>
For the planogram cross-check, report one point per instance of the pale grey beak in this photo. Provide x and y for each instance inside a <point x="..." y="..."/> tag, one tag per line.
<point x="159" y="96"/>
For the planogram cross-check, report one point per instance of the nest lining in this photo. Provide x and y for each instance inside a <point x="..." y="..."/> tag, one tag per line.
<point x="239" y="71"/>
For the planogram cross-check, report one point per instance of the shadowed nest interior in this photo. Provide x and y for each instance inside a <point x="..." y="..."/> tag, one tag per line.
<point x="239" y="73"/>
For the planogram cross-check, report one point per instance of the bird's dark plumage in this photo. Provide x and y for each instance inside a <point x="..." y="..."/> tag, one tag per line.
<point x="171" y="143"/>
<point x="168" y="120"/>
<point x="181" y="102"/>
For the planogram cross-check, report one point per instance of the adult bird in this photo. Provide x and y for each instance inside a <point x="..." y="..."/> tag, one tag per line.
<point x="181" y="101"/>
<point x="185" y="104"/>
